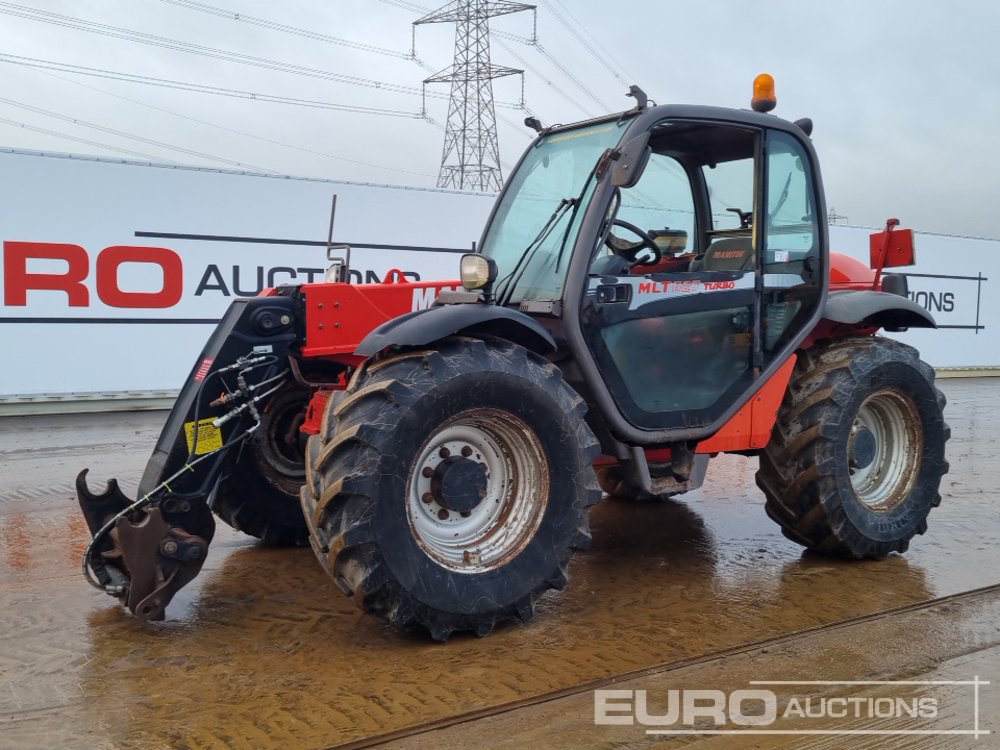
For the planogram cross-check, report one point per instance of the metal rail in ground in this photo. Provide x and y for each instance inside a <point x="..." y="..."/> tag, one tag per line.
<point x="657" y="669"/>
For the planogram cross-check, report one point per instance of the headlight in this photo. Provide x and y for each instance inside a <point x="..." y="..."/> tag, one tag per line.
<point x="477" y="271"/>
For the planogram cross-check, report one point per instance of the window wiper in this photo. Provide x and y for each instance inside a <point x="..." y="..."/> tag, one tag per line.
<point x="577" y="203"/>
<point x="522" y="265"/>
<point x="782" y="198"/>
<point x="517" y="272"/>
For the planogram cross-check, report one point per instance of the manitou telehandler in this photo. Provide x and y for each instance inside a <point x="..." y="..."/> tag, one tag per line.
<point x="653" y="288"/>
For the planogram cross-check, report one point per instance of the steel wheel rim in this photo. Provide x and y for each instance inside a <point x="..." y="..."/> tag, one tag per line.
<point x="517" y="489"/>
<point x="282" y="459"/>
<point x="892" y="419"/>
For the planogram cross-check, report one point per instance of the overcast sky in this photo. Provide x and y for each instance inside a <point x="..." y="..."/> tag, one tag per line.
<point x="905" y="96"/>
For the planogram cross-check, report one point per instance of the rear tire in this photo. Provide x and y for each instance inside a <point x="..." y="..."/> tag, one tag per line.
<point x="857" y="452"/>
<point x="448" y="487"/>
<point x="259" y="495"/>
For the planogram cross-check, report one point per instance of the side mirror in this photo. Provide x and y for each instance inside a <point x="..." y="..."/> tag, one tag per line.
<point x="631" y="162"/>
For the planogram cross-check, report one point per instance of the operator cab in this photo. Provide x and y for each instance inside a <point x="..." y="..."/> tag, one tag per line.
<point x="678" y="252"/>
<point x="671" y="314"/>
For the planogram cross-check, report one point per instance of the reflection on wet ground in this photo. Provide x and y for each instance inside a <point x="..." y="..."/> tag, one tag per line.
<point x="262" y="650"/>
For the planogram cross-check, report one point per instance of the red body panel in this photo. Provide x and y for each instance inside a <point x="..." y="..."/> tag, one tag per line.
<point x="339" y="316"/>
<point x="313" y="422"/>
<point x="750" y="427"/>
<point x="848" y="273"/>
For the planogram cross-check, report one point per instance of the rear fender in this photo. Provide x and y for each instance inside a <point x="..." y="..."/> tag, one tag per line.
<point x="476" y="319"/>
<point x="870" y="309"/>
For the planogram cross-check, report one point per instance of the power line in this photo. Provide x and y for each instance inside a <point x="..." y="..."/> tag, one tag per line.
<point x="594" y="43"/>
<point x="412" y="7"/>
<point x="199" y="88"/>
<point x="66" y="136"/>
<point x="233" y="130"/>
<point x="566" y="72"/>
<point x="180" y="46"/>
<point x="584" y="43"/>
<point x="131" y="136"/>
<point x="307" y="33"/>
<point x="544" y="78"/>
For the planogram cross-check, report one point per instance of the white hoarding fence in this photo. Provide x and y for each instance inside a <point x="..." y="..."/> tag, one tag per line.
<point x="953" y="279"/>
<point x="114" y="273"/>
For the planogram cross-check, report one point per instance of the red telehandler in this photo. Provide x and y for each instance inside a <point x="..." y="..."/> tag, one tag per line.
<point x="652" y="288"/>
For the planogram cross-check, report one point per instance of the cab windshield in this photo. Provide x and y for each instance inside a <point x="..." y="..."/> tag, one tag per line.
<point x="536" y="222"/>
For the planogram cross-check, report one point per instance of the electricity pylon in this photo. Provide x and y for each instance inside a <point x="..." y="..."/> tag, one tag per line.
<point x="471" y="156"/>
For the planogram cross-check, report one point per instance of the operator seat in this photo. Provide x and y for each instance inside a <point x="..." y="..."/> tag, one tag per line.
<point x="726" y="254"/>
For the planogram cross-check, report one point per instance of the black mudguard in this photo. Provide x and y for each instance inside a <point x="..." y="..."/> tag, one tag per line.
<point x="881" y="309"/>
<point x="435" y="323"/>
<point x="154" y="550"/>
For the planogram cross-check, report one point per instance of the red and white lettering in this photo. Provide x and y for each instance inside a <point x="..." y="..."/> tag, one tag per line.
<point x="113" y="295"/>
<point x="17" y="280"/>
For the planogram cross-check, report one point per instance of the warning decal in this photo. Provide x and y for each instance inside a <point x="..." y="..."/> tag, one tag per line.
<point x="209" y="437"/>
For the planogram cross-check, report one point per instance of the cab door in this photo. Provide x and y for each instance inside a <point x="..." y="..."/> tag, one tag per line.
<point x="681" y="340"/>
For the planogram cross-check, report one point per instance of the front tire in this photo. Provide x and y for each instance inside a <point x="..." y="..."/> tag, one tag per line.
<point x="856" y="456"/>
<point x="448" y="487"/>
<point x="259" y="494"/>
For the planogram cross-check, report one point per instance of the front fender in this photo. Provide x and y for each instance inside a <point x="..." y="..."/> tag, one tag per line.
<point x="435" y="323"/>
<point x="881" y="309"/>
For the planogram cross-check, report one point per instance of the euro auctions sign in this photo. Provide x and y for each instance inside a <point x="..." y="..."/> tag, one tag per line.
<point x="799" y="707"/>
<point x="113" y="273"/>
<point x="141" y="278"/>
<point x="74" y="270"/>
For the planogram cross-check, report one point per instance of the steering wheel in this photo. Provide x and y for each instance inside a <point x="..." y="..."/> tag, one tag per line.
<point x="630" y="250"/>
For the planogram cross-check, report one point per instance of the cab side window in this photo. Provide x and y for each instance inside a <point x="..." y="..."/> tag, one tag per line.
<point x="730" y="187"/>
<point x="662" y="205"/>
<point x="792" y="231"/>
<point x="791" y="243"/>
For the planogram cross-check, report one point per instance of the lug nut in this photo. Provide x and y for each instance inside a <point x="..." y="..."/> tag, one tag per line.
<point x="427" y="498"/>
<point x="444" y="452"/>
<point x="442" y="514"/>
<point x="428" y="472"/>
<point x="466" y="452"/>
<point x="466" y="513"/>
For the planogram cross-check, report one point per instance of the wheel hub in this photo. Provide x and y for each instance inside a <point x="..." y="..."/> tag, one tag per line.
<point x="863" y="448"/>
<point x="280" y="453"/>
<point x="883" y="452"/>
<point x="459" y="484"/>
<point x="477" y="490"/>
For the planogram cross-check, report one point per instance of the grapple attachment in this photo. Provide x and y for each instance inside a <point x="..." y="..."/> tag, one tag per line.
<point x="144" y="551"/>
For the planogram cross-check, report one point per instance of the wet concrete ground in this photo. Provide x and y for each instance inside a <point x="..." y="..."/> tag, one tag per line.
<point x="263" y="651"/>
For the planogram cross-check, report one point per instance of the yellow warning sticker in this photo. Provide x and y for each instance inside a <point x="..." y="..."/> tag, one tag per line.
<point x="209" y="437"/>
